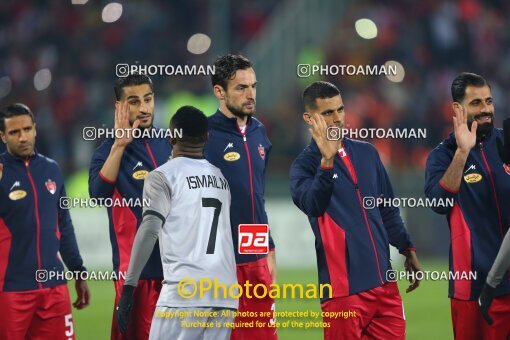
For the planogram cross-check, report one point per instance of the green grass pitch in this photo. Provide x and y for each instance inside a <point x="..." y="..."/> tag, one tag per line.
<point x="427" y="309"/>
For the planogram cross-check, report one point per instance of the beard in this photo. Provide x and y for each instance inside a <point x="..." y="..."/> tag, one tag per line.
<point x="25" y="151"/>
<point x="238" y="111"/>
<point x="482" y="130"/>
<point x="343" y="131"/>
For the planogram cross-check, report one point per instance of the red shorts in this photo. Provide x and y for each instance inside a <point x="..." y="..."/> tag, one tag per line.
<point x="144" y="304"/>
<point x="468" y="322"/>
<point x="36" y="314"/>
<point x="257" y="273"/>
<point x="377" y="313"/>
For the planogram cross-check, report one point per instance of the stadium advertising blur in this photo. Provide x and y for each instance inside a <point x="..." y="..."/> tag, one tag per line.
<point x="246" y="170"/>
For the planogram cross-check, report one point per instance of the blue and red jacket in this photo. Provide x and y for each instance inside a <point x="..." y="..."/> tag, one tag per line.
<point x="352" y="243"/>
<point x="479" y="218"/>
<point x="33" y="227"/>
<point x="140" y="157"/>
<point x="242" y="158"/>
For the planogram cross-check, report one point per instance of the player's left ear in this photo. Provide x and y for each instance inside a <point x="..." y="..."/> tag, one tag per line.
<point x="2" y="135"/>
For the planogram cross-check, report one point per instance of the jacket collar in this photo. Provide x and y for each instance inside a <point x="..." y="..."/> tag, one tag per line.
<point x="16" y="158"/>
<point x="230" y="124"/>
<point x="489" y="138"/>
<point x="346" y="144"/>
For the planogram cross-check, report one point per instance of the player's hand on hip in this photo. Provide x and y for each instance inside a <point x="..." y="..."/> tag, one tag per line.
<point x="1" y="170"/>
<point x="485" y="301"/>
<point x="125" y="137"/>
<point x="319" y="130"/>
<point x="412" y="266"/>
<point x="82" y="293"/>
<point x="124" y="308"/>
<point x="465" y="138"/>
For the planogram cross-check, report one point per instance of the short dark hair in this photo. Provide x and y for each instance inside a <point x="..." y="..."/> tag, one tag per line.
<point x="131" y="80"/>
<point x="193" y="124"/>
<point x="464" y="80"/>
<point x="225" y="68"/>
<point x="318" y="89"/>
<point x="13" y="110"/>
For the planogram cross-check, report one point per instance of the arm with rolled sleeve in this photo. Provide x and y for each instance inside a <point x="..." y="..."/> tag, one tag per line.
<point x="393" y="223"/>
<point x="437" y="163"/>
<point x="68" y="244"/>
<point x="311" y="185"/>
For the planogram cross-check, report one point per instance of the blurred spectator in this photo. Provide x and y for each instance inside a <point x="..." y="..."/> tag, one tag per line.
<point x="433" y="40"/>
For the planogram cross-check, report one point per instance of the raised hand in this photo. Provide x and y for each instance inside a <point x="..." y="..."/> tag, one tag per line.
<point x="122" y="122"/>
<point x="465" y="139"/>
<point x="328" y="148"/>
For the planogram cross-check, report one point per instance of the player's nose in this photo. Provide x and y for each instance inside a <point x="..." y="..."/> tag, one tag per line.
<point x="144" y="108"/>
<point x="250" y="93"/>
<point x="485" y="107"/>
<point x="23" y="137"/>
<point x="336" y="117"/>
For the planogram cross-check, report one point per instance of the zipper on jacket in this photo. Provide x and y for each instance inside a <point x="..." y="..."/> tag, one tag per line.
<point x="493" y="187"/>
<point x="250" y="171"/>
<point x="355" y="181"/>
<point x="37" y="220"/>
<point x="150" y="153"/>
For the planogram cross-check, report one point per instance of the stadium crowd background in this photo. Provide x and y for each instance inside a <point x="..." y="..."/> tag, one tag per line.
<point x="59" y="58"/>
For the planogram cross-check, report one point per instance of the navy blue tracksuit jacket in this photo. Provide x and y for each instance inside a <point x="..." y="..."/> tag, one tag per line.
<point x="242" y="158"/>
<point x="352" y="243"/>
<point x="33" y="227"/>
<point x="479" y="218"/>
<point x="140" y="157"/>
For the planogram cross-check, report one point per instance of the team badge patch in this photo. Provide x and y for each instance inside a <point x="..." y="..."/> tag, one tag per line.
<point x="232" y="156"/>
<point x="507" y="168"/>
<point x="17" y="195"/>
<point x="51" y="186"/>
<point x="140" y="174"/>
<point x="262" y="152"/>
<point x="472" y="178"/>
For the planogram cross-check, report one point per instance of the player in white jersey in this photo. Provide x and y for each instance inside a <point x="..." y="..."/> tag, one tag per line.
<point x="188" y="210"/>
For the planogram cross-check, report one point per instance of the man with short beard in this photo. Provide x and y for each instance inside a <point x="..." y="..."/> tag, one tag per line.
<point x="331" y="181"/>
<point x="466" y="168"/>
<point x="36" y="235"/>
<point x="117" y="171"/>
<point x="239" y="146"/>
